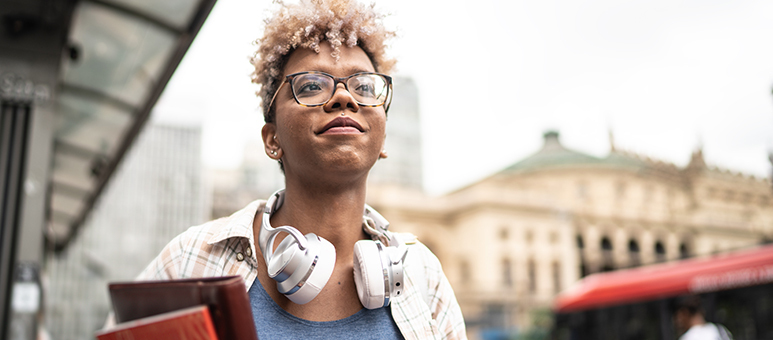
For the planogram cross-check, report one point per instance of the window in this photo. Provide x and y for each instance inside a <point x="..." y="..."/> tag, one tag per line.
<point x="532" y="272"/>
<point x="507" y="273"/>
<point x="606" y="244"/>
<point x="620" y="189"/>
<point x="608" y="263"/>
<point x="464" y="271"/>
<point x="633" y="252"/>
<point x="582" y="190"/>
<point x="648" y="194"/>
<point x="660" y="252"/>
<point x="556" y="277"/>
<point x="580" y="243"/>
<point x="503" y="234"/>
<point x="683" y="251"/>
<point x="633" y="247"/>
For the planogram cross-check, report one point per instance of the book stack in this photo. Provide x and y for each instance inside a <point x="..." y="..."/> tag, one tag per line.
<point x="205" y="308"/>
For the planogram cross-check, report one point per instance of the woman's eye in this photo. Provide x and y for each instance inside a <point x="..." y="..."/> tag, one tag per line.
<point x="365" y="90"/>
<point x="309" y="87"/>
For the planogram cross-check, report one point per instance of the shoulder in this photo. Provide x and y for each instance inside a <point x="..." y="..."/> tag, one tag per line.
<point x="422" y="266"/>
<point x="194" y="251"/>
<point x="418" y="253"/>
<point x="426" y="275"/>
<point x="699" y="332"/>
<point x="186" y="247"/>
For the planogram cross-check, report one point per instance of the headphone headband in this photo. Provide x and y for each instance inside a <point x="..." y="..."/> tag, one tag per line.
<point x="303" y="264"/>
<point x="268" y="234"/>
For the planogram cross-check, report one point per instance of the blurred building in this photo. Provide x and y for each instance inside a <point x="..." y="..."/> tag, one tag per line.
<point x="403" y="167"/>
<point x="259" y="176"/>
<point x="256" y="178"/>
<point x="511" y="241"/>
<point x="157" y="193"/>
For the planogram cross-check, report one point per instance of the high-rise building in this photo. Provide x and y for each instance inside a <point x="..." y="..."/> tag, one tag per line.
<point x="403" y="167"/>
<point x="156" y="193"/>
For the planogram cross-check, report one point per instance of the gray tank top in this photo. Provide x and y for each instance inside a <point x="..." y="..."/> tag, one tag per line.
<point x="273" y="322"/>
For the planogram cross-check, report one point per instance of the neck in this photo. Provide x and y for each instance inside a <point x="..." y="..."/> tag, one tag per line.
<point x="334" y="214"/>
<point x="697" y="319"/>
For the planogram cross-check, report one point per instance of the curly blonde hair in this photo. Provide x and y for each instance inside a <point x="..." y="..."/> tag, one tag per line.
<point x="306" y="25"/>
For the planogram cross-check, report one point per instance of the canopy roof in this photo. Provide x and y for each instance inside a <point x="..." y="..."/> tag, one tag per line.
<point x="125" y="51"/>
<point x="719" y="272"/>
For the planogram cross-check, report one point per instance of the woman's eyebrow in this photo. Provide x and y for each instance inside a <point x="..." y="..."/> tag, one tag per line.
<point x="348" y="70"/>
<point x="357" y="69"/>
<point x="354" y="70"/>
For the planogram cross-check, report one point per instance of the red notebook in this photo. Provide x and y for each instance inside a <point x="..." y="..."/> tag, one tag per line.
<point x="226" y="298"/>
<point x="192" y="323"/>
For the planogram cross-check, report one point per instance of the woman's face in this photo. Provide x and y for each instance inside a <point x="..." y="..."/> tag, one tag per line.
<point x="339" y="138"/>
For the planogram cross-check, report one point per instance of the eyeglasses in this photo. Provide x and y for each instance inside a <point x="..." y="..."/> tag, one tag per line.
<point x="314" y="88"/>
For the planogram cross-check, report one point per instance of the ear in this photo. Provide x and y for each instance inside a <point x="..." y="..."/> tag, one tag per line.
<point x="271" y="141"/>
<point x="383" y="153"/>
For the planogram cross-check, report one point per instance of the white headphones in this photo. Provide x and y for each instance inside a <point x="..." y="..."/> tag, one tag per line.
<point x="302" y="265"/>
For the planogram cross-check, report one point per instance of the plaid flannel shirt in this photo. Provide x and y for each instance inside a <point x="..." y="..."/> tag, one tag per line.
<point x="224" y="247"/>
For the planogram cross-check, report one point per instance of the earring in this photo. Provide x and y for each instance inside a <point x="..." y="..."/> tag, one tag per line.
<point x="273" y="152"/>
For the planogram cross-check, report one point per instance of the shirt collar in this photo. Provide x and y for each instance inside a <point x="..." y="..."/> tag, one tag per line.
<point x="239" y="224"/>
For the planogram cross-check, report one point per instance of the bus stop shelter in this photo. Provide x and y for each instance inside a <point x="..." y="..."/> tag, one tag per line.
<point x="78" y="80"/>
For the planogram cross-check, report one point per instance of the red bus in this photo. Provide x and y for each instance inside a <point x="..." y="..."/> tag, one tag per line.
<point x="736" y="290"/>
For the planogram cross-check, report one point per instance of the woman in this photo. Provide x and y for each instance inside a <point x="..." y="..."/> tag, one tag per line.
<point x="320" y="65"/>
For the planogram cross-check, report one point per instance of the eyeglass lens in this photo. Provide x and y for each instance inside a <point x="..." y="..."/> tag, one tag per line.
<point x="315" y="88"/>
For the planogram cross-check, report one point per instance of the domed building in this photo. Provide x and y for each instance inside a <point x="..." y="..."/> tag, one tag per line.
<point x="510" y="242"/>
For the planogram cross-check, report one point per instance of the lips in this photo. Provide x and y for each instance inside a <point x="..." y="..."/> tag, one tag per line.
<point x="341" y="125"/>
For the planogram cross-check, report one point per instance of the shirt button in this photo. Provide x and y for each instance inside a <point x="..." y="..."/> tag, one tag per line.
<point x="240" y="256"/>
<point x="249" y="251"/>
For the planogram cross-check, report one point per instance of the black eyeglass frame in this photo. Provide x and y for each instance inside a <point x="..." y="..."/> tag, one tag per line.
<point x="289" y="78"/>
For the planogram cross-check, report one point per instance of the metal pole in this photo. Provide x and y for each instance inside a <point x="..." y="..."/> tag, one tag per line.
<point x="13" y="148"/>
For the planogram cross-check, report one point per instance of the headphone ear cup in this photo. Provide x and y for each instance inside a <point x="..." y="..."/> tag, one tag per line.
<point x="369" y="274"/>
<point x="301" y="274"/>
<point x="286" y="256"/>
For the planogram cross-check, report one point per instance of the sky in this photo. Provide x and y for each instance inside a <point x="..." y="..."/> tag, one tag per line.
<point x="663" y="76"/>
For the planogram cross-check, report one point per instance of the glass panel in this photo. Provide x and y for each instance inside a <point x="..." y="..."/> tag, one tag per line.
<point x="58" y="231"/>
<point x="121" y="55"/>
<point x="94" y="125"/>
<point x="176" y="13"/>
<point x="63" y="219"/>
<point x="66" y="204"/>
<point x="73" y="171"/>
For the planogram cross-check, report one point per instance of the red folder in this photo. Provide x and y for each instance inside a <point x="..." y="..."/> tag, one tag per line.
<point x="185" y="324"/>
<point x="226" y="298"/>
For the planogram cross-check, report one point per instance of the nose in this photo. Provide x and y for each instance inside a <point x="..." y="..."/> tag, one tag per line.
<point x="341" y="100"/>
